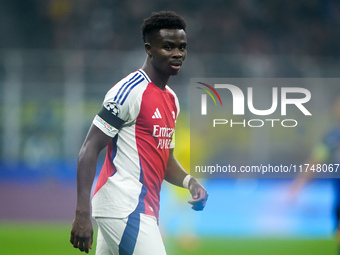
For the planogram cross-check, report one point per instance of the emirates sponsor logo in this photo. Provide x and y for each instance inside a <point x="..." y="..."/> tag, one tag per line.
<point x="164" y="135"/>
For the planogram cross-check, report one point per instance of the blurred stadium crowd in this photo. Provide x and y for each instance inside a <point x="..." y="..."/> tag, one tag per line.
<point x="304" y="27"/>
<point x="59" y="57"/>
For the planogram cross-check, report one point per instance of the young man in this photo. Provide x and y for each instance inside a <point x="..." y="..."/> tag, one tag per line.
<point x="137" y="124"/>
<point x="325" y="152"/>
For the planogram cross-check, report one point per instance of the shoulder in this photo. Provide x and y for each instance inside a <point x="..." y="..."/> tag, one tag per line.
<point x="128" y="87"/>
<point x="172" y="93"/>
<point x="174" y="96"/>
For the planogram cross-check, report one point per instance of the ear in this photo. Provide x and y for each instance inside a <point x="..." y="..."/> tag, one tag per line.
<point x="147" y="47"/>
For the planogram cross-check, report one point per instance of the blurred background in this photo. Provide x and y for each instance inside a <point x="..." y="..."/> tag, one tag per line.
<point x="58" y="58"/>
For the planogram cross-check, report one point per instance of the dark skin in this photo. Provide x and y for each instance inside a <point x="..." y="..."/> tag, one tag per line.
<point x="166" y="51"/>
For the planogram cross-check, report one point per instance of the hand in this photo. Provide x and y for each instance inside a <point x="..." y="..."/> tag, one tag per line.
<point x="199" y="195"/>
<point x="82" y="233"/>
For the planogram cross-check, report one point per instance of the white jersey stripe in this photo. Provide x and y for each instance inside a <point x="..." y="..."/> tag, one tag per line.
<point x="131" y="87"/>
<point x="145" y="76"/>
<point x="123" y="86"/>
<point x="126" y="89"/>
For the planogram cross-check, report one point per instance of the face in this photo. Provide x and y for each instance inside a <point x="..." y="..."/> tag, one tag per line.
<point x="167" y="50"/>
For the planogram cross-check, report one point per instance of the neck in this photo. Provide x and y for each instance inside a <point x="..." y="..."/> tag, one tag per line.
<point x="156" y="77"/>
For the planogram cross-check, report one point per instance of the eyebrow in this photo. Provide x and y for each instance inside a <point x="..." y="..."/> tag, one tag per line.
<point x="173" y="43"/>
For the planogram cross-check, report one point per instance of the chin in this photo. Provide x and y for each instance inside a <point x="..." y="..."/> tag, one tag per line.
<point x="174" y="72"/>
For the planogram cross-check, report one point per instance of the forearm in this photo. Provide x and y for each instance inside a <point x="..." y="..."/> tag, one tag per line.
<point x="175" y="173"/>
<point x="86" y="171"/>
<point x="82" y="231"/>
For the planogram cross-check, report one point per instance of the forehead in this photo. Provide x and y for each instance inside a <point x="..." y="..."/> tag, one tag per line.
<point x="172" y="35"/>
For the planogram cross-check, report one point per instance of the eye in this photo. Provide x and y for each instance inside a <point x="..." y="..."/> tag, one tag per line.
<point x="167" y="47"/>
<point x="182" y="47"/>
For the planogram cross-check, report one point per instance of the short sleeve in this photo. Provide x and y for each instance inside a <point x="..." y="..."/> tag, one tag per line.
<point x="173" y="140"/>
<point x="121" y="104"/>
<point x="108" y="119"/>
<point x="114" y="113"/>
<point x="112" y="116"/>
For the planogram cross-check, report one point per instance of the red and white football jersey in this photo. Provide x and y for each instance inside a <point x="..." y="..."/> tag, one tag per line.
<point x="140" y="118"/>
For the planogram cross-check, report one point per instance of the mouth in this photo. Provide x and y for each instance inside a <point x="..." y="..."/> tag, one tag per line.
<point x="176" y="65"/>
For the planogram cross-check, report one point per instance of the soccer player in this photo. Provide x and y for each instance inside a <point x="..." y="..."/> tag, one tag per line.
<point x="136" y="124"/>
<point x="326" y="151"/>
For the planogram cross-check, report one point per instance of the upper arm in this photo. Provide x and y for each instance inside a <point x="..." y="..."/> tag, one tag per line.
<point x="96" y="140"/>
<point x="171" y="154"/>
<point x="174" y="173"/>
<point x="108" y="121"/>
<point x="171" y="158"/>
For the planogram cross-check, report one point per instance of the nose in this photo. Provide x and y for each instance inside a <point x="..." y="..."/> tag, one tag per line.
<point x="177" y="53"/>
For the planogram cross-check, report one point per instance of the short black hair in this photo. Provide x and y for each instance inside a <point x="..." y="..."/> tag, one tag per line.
<point x="162" y="20"/>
